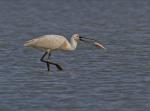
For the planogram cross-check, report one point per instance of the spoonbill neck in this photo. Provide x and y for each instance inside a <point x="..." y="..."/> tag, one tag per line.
<point x="73" y="44"/>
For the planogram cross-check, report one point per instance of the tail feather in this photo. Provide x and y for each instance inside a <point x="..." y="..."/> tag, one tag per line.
<point x="29" y="43"/>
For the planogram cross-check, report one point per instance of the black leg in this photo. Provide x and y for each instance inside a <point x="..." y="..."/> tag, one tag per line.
<point x="57" y="65"/>
<point x="42" y="60"/>
<point x="48" y="65"/>
<point x="48" y="62"/>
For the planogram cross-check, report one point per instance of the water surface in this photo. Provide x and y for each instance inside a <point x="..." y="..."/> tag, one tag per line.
<point x="93" y="80"/>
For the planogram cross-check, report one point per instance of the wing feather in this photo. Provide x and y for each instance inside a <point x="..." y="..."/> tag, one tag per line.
<point x="46" y="42"/>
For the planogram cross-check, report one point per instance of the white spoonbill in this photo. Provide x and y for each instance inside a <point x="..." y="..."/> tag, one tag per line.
<point x="49" y="43"/>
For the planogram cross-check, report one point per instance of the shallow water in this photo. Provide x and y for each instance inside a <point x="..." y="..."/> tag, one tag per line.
<point x="93" y="80"/>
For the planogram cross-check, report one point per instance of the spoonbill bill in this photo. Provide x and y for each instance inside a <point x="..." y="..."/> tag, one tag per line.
<point x="49" y="43"/>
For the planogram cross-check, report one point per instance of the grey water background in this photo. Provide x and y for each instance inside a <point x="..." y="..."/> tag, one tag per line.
<point x="93" y="79"/>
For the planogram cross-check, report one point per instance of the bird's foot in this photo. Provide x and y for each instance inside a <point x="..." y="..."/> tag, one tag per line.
<point x="59" y="67"/>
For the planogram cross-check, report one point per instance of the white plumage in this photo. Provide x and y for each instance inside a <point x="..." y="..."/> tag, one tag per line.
<point x="49" y="43"/>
